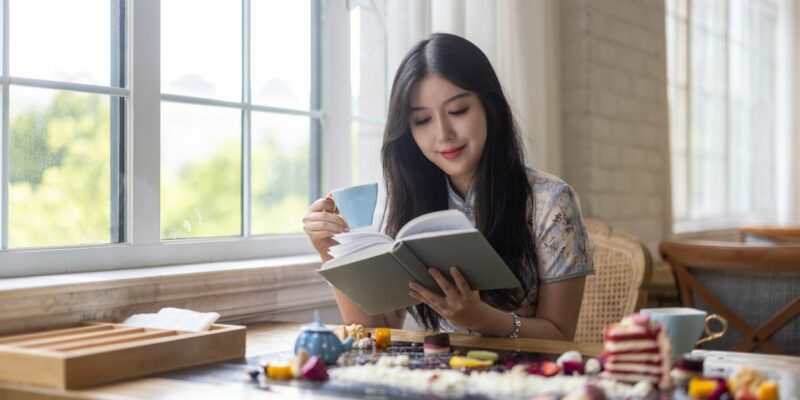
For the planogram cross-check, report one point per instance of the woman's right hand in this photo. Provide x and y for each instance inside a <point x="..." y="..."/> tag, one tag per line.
<point x="320" y="224"/>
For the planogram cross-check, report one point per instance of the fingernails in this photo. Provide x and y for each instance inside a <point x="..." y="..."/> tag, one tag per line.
<point x="346" y="229"/>
<point x="412" y="285"/>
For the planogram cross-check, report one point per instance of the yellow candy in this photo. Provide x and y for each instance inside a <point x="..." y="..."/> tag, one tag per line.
<point x="482" y="355"/>
<point x="383" y="337"/>
<point x="701" y="388"/>
<point x="279" y="370"/>
<point x="457" y="362"/>
<point x="768" y="390"/>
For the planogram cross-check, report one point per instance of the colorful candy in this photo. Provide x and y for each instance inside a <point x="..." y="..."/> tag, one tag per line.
<point x="279" y="370"/>
<point x="383" y="337"/>
<point x="701" y="387"/>
<point x="315" y="370"/>
<point x="768" y="390"/>
<point x="482" y="355"/>
<point x="458" y="362"/>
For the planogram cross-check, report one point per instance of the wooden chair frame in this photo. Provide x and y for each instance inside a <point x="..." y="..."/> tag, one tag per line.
<point x="684" y="256"/>
<point x="788" y="234"/>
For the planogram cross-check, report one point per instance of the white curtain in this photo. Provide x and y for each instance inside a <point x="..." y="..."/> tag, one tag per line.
<point x="520" y="39"/>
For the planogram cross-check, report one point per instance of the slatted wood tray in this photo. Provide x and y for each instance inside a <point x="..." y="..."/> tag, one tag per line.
<point x="95" y="353"/>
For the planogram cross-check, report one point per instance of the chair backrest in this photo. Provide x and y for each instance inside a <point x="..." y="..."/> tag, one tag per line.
<point x="770" y="234"/>
<point x="755" y="287"/>
<point x="618" y="286"/>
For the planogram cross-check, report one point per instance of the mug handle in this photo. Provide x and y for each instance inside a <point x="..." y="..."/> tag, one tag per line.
<point x="711" y="334"/>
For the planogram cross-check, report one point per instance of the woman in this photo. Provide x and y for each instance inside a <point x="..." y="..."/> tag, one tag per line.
<point x="451" y="142"/>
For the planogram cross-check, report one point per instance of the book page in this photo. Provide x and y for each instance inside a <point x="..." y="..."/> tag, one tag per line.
<point x="436" y="221"/>
<point x="353" y="242"/>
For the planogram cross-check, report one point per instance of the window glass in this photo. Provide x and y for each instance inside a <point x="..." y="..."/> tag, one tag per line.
<point x="281" y="53"/>
<point x="201" y="48"/>
<point x="201" y="171"/>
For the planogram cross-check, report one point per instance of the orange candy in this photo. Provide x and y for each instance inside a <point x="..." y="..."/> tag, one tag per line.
<point x="383" y="337"/>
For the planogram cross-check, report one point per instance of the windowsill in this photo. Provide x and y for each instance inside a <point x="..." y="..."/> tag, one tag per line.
<point x="241" y="291"/>
<point x="711" y="228"/>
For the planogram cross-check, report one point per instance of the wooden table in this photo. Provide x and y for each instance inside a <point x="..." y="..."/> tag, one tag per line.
<point x="273" y="337"/>
<point x="262" y="338"/>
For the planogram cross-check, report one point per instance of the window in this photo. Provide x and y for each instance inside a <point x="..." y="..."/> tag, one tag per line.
<point x="64" y="100"/>
<point x="369" y="84"/>
<point x="722" y="97"/>
<point x="175" y="131"/>
<point x="239" y="117"/>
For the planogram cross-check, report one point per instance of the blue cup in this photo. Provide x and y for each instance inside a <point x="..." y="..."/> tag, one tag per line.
<point x="685" y="325"/>
<point x="356" y="204"/>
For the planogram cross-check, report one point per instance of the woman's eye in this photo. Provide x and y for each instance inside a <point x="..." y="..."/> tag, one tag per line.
<point x="421" y="121"/>
<point x="460" y="111"/>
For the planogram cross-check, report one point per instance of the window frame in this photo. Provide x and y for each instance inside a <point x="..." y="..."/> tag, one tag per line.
<point x="730" y="219"/>
<point x="143" y="245"/>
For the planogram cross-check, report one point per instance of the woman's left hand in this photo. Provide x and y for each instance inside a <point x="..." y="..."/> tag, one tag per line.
<point x="460" y="304"/>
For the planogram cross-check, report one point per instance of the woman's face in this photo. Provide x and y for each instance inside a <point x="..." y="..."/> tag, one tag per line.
<point x="449" y="125"/>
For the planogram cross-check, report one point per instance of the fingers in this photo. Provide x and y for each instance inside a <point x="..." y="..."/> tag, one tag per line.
<point x="323" y="225"/>
<point x="445" y="284"/>
<point x="461" y="282"/>
<point x="424" y="295"/>
<point x="323" y="204"/>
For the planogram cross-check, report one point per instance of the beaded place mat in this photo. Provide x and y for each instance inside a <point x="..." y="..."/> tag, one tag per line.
<point x="236" y="373"/>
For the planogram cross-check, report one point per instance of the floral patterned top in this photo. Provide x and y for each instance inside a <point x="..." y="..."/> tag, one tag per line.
<point x="563" y="249"/>
<point x="562" y="246"/>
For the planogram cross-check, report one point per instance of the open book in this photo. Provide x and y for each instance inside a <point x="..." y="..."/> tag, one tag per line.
<point x="374" y="270"/>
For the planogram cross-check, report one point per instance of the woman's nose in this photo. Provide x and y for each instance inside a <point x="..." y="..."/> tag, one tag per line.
<point x="444" y="131"/>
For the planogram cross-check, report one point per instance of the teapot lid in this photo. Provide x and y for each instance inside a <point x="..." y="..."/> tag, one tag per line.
<point x="317" y="325"/>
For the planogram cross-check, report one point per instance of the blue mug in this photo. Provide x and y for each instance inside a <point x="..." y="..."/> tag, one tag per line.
<point x="356" y="204"/>
<point x="685" y="325"/>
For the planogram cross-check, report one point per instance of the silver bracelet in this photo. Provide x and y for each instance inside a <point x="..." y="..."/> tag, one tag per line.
<point x="517" y="325"/>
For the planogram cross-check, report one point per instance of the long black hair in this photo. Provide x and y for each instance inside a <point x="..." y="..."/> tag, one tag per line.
<point x="416" y="186"/>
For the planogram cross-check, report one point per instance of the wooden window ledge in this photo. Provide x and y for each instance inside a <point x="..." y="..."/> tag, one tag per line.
<point x="284" y="288"/>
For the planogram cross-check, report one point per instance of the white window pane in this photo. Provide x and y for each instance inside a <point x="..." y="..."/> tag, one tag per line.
<point x="708" y="62"/>
<point x="677" y="8"/>
<point x="59" y="166"/>
<point x="676" y="51"/>
<point x="679" y="186"/>
<point x="709" y="15"/>
<point x="279" y="176"/>
<point x="366" y="144"/>
<point x="281" y="53"/>
<point x="677" y="118"/>
<point x="201" y="48"/>
<point x="368" y="63"/>
<point x="61" y="40"/>
<point x="201" y="168"/>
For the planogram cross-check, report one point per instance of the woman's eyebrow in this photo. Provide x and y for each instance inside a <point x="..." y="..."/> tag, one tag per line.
<point x="456" y="97"/>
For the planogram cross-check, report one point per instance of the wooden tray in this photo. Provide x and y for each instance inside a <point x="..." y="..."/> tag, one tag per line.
<point x="99" y="352"/>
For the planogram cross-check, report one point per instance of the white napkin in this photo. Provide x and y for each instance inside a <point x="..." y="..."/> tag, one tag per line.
<point x="174" y="319"/>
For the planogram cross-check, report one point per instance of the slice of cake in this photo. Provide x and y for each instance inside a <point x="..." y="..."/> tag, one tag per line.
<point x="637" y="350"/>
<point x="437" y="344"/>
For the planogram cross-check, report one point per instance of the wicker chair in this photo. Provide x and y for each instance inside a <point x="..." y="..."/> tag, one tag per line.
<point x="755" y="287"/>
<point x="622" y="272"/>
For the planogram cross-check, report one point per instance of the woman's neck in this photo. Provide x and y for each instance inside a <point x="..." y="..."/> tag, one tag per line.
<point x="461" y="185"/>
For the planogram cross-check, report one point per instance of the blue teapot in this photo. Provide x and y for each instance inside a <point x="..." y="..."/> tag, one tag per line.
<point x="320" y="341"/>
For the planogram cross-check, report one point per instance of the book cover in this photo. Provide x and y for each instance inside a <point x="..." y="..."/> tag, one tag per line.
<point x="374" y="271"/>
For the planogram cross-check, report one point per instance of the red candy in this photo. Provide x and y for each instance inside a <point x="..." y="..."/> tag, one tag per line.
<point x="549" y="368"/>
<point x="571" y="367"/>
<point x="315" y="370"/>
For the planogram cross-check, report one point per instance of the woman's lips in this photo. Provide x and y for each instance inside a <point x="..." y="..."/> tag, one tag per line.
<point x="453" y="153"/>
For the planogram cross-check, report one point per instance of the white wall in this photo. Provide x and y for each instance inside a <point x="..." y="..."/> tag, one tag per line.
<point x="615" y="117"/>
